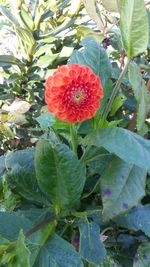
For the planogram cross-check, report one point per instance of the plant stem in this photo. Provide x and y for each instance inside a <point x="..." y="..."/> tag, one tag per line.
<point x="74" y="137"/>
<point x="41" y="225"/>
<point x="115" y="91"/>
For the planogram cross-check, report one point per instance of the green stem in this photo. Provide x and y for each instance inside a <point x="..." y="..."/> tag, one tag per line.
<point x="36" y="228"/>
<point x="115" y="91"/>
<point x="74" y="137"/>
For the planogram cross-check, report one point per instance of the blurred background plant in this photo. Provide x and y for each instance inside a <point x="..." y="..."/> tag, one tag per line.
<point x="36" y="37"/>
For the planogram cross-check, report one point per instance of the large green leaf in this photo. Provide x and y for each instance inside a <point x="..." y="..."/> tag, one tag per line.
<point x="60" y="174"/>
<point x="118" y="183"/>
<point x="141" y="94"/>
<point x="94" y="56"/>
<point x="134" y="26"/>
<point x="58" y="253"/>
<point x="91" y="248"/>
<point x="142" y="258"/>
<point x="137" y="219"/>
<point x="11" y="223"/>
<point x="127" y="145"/>
<point x="21" y="174"/>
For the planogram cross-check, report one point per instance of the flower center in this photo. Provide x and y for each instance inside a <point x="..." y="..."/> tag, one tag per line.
<point x="79" y="96"/>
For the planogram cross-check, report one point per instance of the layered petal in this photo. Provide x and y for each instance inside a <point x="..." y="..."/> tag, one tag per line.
<point x="73" y="93"/>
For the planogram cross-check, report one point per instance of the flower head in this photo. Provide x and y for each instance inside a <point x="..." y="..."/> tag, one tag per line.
<point x="73" y="93"/>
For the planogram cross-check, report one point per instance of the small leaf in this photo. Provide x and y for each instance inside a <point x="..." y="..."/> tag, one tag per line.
<point x="6" y="131"/>
<point x="22" y="252"/>
<point x="134" y="26"/>
<point x="91" y="247"/>
<point x="60" y="174"/>
<point x="118" y="183"/>
<point x="43" y="49"/>
<point x="58" y="252"/>
<point x="46" y="60"/>
<point x="19" y="106"/>
<point x="127" y="145"/>
<point x="66" y="51"/>
<point x="46" y="120"/>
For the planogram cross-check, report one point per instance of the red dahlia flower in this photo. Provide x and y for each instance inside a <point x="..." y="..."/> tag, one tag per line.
<point x="73" y="93"/>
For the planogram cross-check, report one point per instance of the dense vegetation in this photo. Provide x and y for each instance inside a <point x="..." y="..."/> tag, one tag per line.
<point x="74" y="195"/>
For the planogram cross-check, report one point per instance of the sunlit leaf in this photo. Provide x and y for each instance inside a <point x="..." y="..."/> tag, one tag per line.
<point x="127" y="145"/>
<point x="134" y="26"/>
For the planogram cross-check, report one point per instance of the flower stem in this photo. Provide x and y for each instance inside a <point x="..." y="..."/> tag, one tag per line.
<point x="74" y="137"/>
<point x="115" y="91"/>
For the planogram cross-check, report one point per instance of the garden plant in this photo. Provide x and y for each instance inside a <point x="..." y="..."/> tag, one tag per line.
<point x="74" y="133"/>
